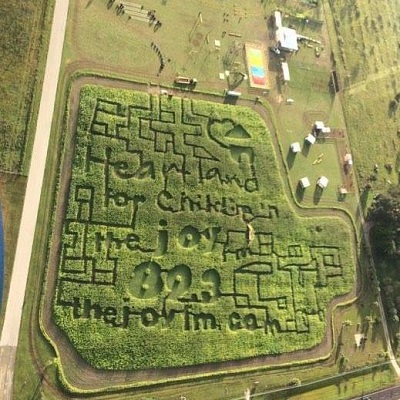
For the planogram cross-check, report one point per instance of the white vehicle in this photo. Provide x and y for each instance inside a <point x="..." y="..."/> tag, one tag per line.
<point x="275" y="50"/>
<point x="183" y="80"/>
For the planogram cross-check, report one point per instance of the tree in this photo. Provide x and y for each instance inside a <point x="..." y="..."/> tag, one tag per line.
<point x="385" y="215"/>
<point x="385" y="209"/>
<point x="397" y="338"/>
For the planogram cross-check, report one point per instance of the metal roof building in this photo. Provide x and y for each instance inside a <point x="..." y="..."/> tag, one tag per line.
<point x="287" y="39"/>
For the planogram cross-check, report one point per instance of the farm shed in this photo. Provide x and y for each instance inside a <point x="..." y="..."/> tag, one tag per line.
<point x="304" y="182"/>
<point x="286" y="39"/>
<point x="295" y="147"/>
<point x="322" y="182"/>
<point x="310" y="138"/>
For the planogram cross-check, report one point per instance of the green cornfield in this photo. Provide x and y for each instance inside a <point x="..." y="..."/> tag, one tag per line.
<point x="179" y="246"/>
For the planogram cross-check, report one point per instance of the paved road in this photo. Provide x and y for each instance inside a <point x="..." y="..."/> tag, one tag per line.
<point x="12" y="321"/>
<point x="385" y="394"/>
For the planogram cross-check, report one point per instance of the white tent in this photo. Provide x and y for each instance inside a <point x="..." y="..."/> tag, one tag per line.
<point x="322" y="182"/>
<point x="310" y="138"/>
<point x="295" y="147"/>
<point x="304" y="182"/>
<point x="348" y="159"/>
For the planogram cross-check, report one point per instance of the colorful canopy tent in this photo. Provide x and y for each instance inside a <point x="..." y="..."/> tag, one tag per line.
<point x="322" y="182"/>
<point x="295" y="147"/>
<point x="304" y="182"/>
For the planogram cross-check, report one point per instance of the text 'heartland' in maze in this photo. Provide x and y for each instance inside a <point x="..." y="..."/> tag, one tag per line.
<point x="172" y="226"/>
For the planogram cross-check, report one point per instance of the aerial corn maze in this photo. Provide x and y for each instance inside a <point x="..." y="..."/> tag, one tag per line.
<point x="178" y="245"/>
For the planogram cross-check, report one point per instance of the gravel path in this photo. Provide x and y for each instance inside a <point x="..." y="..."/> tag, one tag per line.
<point x="15" y="302"/>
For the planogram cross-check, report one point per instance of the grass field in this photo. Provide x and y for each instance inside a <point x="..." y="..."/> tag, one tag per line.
<point x="24" y="36"/>
<point x="11" y="198"/>
<point x="126" y="51"/>
<point x="367" y="45"/>
<point x="23" y="32"/>
<point x="370" y="104"/>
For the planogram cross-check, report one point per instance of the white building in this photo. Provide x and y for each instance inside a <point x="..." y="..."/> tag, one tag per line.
<point x="310" y="138"/>
<point x="295" y="147"/>
<point x="319" y="125"/>
<point x="304" y="182"/>
<point x="286" y="39"/>
<point x="322" y="182"/>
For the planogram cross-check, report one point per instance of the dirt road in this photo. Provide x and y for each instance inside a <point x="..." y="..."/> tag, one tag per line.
<point x="12" y="322"/>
